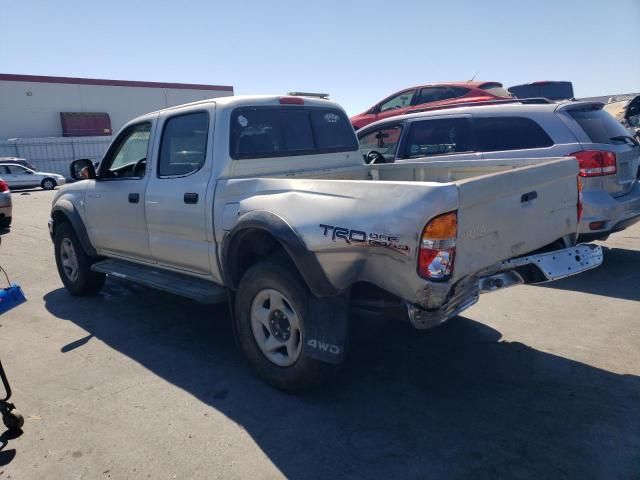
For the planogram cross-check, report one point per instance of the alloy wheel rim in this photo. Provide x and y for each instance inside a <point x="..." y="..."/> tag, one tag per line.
<point x="276" y="327"/>
<point x="69" y="259"/>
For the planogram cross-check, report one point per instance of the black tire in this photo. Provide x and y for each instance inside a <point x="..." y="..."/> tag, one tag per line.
<point x="87" y="282"/>
<point x="306" y="373"/>
<point x="5" y="222"/>
<point x="48" y="184"/>
<point x="13" y="420"/>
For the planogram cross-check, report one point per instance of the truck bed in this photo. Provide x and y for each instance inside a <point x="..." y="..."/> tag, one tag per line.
<point x="504" y="210"/>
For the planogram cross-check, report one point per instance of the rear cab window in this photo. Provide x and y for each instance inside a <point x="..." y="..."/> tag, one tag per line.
<point x="599" y="125"/>
<point x="495" y="134"/>
<point x="262" y="132"/>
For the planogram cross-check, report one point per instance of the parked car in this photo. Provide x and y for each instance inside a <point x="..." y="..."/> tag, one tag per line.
<point x="265" y="200"/>
<point x="525" y="133"/>
<point x="431" y="95"/>
<point x="18" y="176"/>
<point x="5" y="205"/>
<point x="553" y="90"/>
<point x="20" y="161"/>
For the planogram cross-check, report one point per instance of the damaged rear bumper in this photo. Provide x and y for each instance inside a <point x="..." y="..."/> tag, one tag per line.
<point x="538" y="268"/>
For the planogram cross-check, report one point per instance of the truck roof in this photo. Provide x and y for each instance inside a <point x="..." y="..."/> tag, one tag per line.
<point x="234" y="101"/>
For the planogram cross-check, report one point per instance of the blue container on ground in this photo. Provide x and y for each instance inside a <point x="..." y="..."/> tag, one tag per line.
<point x="11" y="297"/>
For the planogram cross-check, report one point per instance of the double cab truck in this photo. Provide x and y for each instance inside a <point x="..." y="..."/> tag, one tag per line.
<point x="266" y="202"/>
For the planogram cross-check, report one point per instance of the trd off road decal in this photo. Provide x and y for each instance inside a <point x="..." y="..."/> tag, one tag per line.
<point x="358" y="237"/>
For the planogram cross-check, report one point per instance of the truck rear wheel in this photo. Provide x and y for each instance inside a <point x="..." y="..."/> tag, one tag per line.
<point x="74" y="265"/>
<point x="271" y="305"/>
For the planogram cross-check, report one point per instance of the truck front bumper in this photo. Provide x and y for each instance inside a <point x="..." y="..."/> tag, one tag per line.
<point x="539" y="268"/>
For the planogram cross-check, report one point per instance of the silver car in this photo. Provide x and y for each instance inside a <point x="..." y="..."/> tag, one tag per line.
<point x="607" y="154"/>
<point x="18" y="176"/>
<point x="5" y="204"/>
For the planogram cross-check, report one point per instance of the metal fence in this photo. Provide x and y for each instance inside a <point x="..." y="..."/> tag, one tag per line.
<point x="54" y="154"/>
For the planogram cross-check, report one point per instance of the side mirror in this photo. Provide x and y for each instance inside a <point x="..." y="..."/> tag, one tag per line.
<point x="82" y="169"/>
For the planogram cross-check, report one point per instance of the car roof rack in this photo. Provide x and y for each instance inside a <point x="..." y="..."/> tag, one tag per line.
<point x="525" y="101"/>
<point x="324" y="96"/>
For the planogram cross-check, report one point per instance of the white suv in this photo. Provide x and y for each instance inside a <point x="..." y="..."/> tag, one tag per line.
<point x="607" y="154"/>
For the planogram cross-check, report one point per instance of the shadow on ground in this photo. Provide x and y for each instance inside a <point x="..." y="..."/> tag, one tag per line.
<point x="7" y="455"/>
<point x="618" y="277"/>
<point x="21" y="191"/>
<point x="455" y="402"/>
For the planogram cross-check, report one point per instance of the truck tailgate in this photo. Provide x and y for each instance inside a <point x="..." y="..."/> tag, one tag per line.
<point x="511" y="213"/>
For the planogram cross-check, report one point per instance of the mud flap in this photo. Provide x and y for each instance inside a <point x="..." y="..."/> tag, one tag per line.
<point x="327" y="328"/>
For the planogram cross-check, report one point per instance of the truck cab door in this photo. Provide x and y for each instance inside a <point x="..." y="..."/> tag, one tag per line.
<point x="179" y="222"/>
<point x="114" y="201"/>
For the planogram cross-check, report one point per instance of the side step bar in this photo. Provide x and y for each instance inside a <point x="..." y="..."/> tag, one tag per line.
<point x="202" y="291"/>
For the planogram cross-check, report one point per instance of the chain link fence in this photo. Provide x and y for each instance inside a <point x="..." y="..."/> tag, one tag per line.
<point x="54" y="154"/>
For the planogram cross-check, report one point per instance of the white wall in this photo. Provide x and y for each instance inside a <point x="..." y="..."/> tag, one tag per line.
<point x="38" y="114"/>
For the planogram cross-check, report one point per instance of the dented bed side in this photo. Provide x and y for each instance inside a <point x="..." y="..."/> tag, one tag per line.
<point x="368" y="229"/>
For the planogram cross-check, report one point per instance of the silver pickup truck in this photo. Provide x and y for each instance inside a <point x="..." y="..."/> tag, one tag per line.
<point x="266" y="202"/>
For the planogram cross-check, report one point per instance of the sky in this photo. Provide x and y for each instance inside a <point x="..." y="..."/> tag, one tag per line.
<point x="357" y="51"/>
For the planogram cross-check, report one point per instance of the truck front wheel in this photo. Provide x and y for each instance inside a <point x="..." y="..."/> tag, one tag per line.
<point x="74" y="265"/>
<point x="271" y="305"/>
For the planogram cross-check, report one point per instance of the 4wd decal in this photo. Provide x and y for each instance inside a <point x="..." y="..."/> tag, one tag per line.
<point x="358" y="237"/>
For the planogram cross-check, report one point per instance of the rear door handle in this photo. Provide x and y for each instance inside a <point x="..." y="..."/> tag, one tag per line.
<point x="191" y="198"/>
<point x="134" y="197"/>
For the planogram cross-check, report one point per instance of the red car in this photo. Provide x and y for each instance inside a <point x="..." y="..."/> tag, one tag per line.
<point x="430" y="95"/>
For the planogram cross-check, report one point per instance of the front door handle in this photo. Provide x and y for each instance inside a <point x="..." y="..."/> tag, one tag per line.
<point x="134" y="197"/>
<point x="191" y="198"/>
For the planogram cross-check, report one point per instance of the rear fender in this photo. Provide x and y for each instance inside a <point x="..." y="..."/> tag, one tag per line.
<point x="304" y="260"/>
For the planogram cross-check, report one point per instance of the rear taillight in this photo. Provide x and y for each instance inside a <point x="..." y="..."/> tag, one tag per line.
<point x="4" y="186"/>
<point x="438" y="247"/>
<point x="580" y="208"/>
<point x="595" y="163"/>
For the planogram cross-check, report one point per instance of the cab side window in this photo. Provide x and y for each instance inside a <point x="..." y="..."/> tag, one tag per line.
<point x="183" y="147"/>
<point x="127" y="158"/>
<point x="384" y="141"/>
<point x="437" y="137"/>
